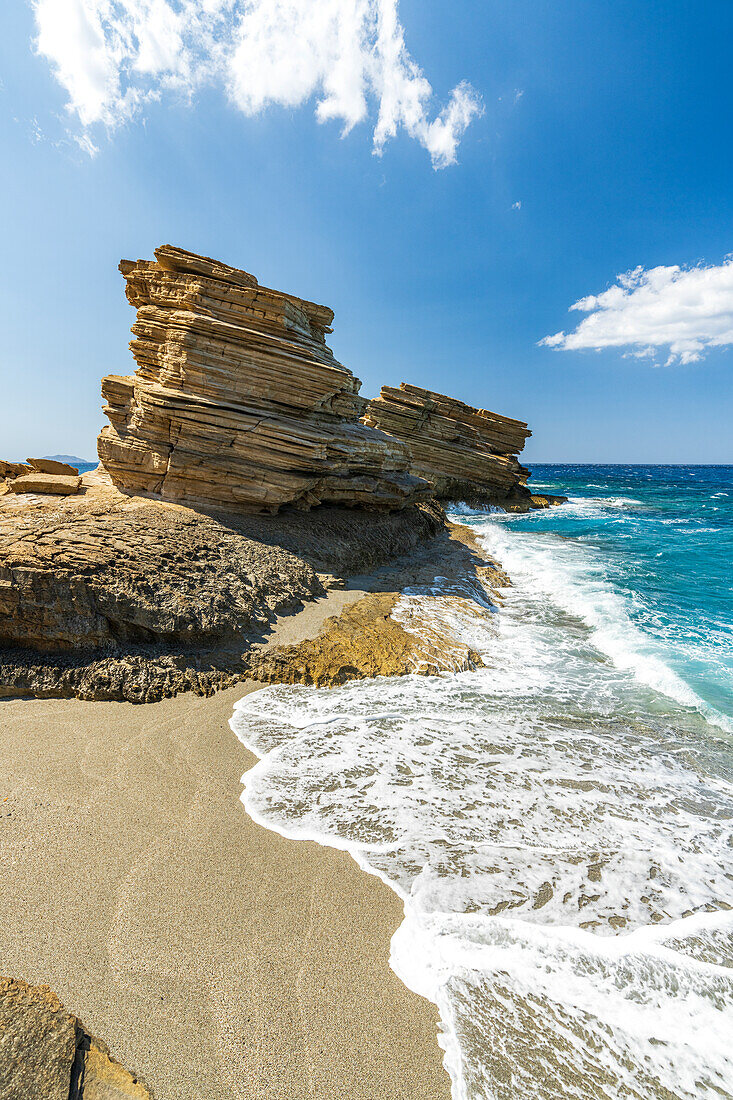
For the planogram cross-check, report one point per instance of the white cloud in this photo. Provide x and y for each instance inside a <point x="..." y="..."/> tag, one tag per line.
<point x="517" y="205"/>
<point x="111" y="56"/>
<point x="685" y="310"/>
<point x="86" y="144"/>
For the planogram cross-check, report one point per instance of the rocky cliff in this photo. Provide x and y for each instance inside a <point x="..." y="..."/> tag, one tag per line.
<point x="465" y="453"/>
<point x="238" y="403"/>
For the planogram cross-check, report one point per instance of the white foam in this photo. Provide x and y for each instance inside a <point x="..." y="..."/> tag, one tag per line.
<point x="460" y="508"/>
<point x="550" y="824"/>
<point x="573" y="578"/>
<point x="467" y="801"/>
<point x="553" y="1014"/>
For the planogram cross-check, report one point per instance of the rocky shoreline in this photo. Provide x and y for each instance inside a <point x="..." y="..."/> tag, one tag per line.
<point x="175" y="600"/>
<point x="242" y="476"/>
<point x="135" y="796"/>
<point x="373" y="637"/>
<point x="104" y="596"/>
<point x="253" y="520"/>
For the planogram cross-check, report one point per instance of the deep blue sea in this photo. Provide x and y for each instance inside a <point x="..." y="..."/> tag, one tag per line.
<point x="558" y="823"/>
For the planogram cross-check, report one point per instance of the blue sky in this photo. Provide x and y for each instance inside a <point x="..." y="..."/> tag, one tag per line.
<point x="609" y="123"/>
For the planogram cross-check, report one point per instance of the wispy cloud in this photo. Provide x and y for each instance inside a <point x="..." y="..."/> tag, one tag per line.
<point x="113" y="56"/>
<point x="683" y="310"/>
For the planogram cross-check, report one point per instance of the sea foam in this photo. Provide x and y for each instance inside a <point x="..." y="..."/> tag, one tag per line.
<point x="558" y="825"/>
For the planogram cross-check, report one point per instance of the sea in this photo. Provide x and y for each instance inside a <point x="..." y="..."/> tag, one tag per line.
<point x="558" y="823"/>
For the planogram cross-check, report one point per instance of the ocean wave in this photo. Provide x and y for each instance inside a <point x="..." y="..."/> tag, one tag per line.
<point x="460" y="508"/>
<point x="558" y="824"/>
<point x="627" y="1018"/>
<point x="590" y="503"/>
<point x="573" y="579"/>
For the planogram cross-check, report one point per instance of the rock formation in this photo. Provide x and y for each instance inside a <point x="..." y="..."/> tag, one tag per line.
<point x="380" y="635"/>
<point x="106" y="596"/>
<point x="13" y="469"/>
<point x="39" y="475"/>
<point x="46" y="1053"/>
<point x="238" y="403"/>
<point x="52" y="466"/>
<point x="62" y="485"/>
<point x="466" y="454"/>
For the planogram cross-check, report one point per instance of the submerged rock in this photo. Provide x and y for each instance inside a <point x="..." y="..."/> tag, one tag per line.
<point x="46" y="1052"/>
<point x="238" y="402"/>
<point x="466" y="454"/>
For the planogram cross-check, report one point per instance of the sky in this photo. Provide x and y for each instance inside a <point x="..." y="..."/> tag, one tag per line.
<point x="526" y="204"/>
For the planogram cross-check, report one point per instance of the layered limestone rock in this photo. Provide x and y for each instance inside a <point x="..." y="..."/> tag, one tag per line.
<point x="238" y="403"/>
<point x="62" y="485"/>
<point x="465" y="453"/>
<point x="52" y="466"/>
<point x="46" y="1053"/>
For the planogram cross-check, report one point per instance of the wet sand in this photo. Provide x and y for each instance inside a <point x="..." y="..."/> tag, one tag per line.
<point x="215" y="958"/>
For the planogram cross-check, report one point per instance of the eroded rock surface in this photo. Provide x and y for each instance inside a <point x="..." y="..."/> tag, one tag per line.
<point x="108" y="597"/>
<point x="13" y="469"/>
<point x="238" y="402"/>
<point x="52" y="466"/>
<point x="466" y="454"/>
<point x="385" y="634"/>
<point x="46" y="1052"/>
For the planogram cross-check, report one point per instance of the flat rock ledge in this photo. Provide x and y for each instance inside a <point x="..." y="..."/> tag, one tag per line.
<point x="54" y="484"/>
<point x="39" y="475"/>
<point x="106" y="596"/>
<point x="46" y="1053"/>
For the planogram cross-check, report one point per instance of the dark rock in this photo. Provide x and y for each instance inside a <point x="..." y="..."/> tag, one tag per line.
<point x="106" y="598"/>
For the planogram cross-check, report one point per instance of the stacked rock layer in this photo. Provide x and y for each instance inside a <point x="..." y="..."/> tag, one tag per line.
<point x="465" y="453"/>
<point x="238" y="403"/>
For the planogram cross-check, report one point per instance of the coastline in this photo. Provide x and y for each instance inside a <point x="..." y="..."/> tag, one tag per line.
<point x="214" y="956"/>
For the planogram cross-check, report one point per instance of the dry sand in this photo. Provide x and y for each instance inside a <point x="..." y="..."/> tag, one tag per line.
<point x="214" y="957"/>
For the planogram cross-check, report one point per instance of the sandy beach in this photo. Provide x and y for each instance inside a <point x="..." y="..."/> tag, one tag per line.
<point x="214" y="957"/>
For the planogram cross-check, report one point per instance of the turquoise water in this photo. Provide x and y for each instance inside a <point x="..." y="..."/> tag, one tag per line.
<point x="559" y="823"/>
<point x="663" y="539"/>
